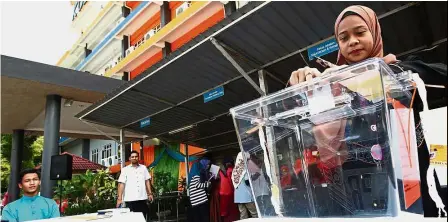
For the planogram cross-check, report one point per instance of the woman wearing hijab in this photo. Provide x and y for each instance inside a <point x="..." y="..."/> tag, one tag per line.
<point x="197" y="185"/>
<point x="243" y="194"/>
<point x="358" y="34"/>
<point x="228" y="209"/>
<point x="261" y="186"/>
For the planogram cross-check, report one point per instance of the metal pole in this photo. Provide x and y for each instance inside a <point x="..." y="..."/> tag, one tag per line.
<point x="122" y="149"/>
<point x="270" y="141"/>
<point x="60" y="196"/>
<point x="16" y="163"/>
<point x="187" y="162"/>
<point x="235" y="64"/>
<point x="51" y="142"/>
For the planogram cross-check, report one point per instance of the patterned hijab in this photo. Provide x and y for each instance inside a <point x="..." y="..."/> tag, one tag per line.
<point x="371" y="20"/>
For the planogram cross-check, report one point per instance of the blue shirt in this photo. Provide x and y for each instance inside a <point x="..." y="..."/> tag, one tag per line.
<point x="243" y="194"/>
<point x="30" y="208"/>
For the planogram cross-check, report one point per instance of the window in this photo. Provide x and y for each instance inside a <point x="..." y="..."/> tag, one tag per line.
<point x="107" y="151"/>
<point x="95" y="157"/>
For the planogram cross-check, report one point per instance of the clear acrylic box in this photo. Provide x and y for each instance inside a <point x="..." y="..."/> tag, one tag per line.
<point x="328" y="149"/>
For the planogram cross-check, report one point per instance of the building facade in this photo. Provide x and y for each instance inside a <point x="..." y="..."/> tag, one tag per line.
<point x="104" y="152"/>
<point x="123" y="39"/>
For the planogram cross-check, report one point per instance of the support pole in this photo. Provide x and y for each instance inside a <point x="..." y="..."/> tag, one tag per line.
<point x="51" y="142"/>
<point x="16" y="164"/>
<point x="122" y="149"/>
<point x="270" y="141"/>
<point x="187" y="162"/>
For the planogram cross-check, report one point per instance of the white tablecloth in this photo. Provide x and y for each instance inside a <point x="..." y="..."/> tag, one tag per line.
<point x="131" y="216"/>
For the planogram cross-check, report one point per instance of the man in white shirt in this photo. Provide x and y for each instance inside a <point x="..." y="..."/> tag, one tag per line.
<point x="135" y="182"/>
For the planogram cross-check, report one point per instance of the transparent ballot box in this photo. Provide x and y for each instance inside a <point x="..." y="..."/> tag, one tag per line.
<point x="340" y="146"/>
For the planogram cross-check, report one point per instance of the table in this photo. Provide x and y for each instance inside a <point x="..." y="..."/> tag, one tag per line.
<point x="130" y="216"/>
<point x="162" y="201"/>
<point x="404" y="216"/>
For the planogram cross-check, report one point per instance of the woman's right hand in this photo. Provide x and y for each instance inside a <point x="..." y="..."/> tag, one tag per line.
<point x="119" y="202"/>
<point x="303" y="74"/>
<point x="307" y="74"/>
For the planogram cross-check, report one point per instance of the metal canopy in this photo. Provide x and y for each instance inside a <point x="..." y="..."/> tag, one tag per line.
<point x="271" y="36"/>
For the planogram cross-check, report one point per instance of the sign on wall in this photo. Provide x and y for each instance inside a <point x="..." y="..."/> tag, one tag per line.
<point x="145" y="122"/>
<point x="213" y="94"/>
<point x="323" y="48"/>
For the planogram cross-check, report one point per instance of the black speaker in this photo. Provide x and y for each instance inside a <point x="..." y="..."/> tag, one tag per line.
<point x="61" y="167"/>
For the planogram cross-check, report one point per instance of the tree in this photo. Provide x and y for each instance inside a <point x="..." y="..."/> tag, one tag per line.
<point x="7" y="146"/>
<point x="32" y="155"/>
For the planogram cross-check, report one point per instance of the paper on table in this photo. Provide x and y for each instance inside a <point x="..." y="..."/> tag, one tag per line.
<point x="214" y="170"/>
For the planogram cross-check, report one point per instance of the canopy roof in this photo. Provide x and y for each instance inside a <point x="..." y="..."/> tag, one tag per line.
<point x="272" y="36"/>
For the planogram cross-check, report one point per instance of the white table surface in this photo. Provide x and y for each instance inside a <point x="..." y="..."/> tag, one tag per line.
<point x="131" y="216"/>
<point x="406" y="217"/>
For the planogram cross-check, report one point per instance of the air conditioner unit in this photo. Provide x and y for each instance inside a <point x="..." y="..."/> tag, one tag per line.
<point x="120" y="20"/>
<point x="139" y="43"/>
<point x="105" y="162"/>
<point x="129" y="50"/>
<point x="182" y="8"/>
<point x="108" y="67"/>
<point x="119" y="58"/>
<point x="150" y="34"/>
<point x="158" y="27"/>
<point x="112" y="160"/>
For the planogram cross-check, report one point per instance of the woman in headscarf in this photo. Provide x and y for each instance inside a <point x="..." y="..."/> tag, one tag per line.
<point x="358" y="33"/>
<point x="243" y="194"/>
<point x="228" y="209"/>
<point x="197" y="185"/>
<point x="261" y="186"/>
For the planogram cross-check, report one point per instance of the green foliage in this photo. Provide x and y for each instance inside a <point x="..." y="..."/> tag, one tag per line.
<point x="32" y="155"/>
<point x="89" y="192"/>
<point x="27" y="151"/>
<point x="162" y="182"/>
<point x="4" y="174"/>
<point x="166" y="173"/>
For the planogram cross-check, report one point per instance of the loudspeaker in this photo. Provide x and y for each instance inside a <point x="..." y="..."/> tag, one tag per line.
<point x="61" y="167"/>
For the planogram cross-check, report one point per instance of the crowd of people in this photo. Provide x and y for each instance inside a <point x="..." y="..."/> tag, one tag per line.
<point x="224" y="197"/>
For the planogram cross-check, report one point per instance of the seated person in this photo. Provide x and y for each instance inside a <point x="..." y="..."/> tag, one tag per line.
<point x="31" y="206"/>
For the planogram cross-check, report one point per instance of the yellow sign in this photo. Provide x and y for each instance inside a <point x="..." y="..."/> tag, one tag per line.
<point x="438" y="155"/>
